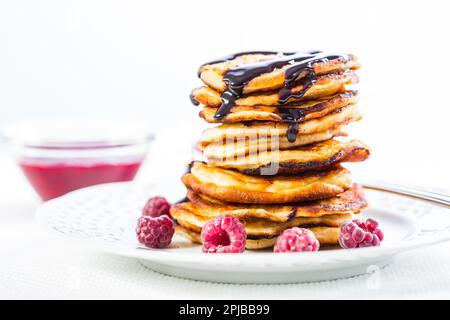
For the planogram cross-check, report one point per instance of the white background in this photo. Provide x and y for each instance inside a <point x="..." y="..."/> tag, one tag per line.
<point x="139" y="58"/>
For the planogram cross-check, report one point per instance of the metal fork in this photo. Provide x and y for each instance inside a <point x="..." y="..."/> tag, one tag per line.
<point x="440" y="199"/>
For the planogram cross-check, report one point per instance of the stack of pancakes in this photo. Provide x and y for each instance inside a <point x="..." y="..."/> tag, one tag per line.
<point x="274" y="161"/>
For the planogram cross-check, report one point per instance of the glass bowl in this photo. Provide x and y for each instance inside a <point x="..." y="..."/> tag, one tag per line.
<point x="60" y="156"/>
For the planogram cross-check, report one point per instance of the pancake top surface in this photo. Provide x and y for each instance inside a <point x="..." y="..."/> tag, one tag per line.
<point x="268" y="70"/>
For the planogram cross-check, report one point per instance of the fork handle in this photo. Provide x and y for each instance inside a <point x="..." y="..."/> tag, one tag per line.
<point x="440" y="199"/>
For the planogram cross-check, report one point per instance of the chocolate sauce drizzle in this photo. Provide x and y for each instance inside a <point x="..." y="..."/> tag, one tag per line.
<point x="185" y="199"/>
<point x="191" y="164"/>
<point x="300" y="72"/>
<point x="193" y="100"/>
<point x="292" y="116"/>
<point x="189" y="167"/>
<point x="232" y="57"/>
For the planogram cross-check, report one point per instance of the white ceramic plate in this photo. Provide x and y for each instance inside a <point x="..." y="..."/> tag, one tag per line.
<point x="105" y="217"/>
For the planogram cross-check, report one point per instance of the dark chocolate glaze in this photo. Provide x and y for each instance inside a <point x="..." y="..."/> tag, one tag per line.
<point x="292" y="116"/>
<point x="185" y="199"/>
<point x="292" y="131"/>
<point x="307" y="81"/>
<point x="189" y="167"/>
<point x="302" y="69"/>
<point x="232" y="57"/>
<point x="236" y="79"/>
<point x="300" y="72"/>
<point x="193" y="100"/>
<point x="191" y="164"/>
<point x="224" y="59"/>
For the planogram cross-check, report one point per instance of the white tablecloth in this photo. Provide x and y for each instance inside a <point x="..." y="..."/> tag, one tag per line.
<point x="35" y="265"/>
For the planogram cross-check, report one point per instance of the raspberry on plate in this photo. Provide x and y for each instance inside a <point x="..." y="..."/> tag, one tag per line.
<point x="224" y="234"/>
<point x="155" y="232"/>
<point x="359" y="234"/>
<point x="156" y="206"/>
<point x="296" y="240"/>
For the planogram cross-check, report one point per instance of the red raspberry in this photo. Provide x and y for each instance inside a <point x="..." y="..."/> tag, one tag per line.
<point x="156" y="206"/>
<point x="155" y="232"/>
<point x="359" y="234"/>
<point x="296" y="240"/>
<point x="224" y="234"/>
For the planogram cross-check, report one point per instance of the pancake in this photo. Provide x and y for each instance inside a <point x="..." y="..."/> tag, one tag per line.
<point x="324" y="86"/>
<point x="351" y="201"/>
<point x="241" y="147"/>
<point x="309" y="109"/>
<point x="318" y="156"/>
<point x="325" y="235"/>
<point x="260" y="227"/>
<point x="212" y="73"/>
<point x="262" y="130"/>
<point x="233" y="186"/>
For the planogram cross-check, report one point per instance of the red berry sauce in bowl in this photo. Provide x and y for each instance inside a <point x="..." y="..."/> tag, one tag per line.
<point x="61" y="156"/>
<point x="54" y="180"/>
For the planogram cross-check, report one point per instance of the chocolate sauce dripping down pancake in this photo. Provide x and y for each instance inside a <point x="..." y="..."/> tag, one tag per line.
<point x="232" y="57"/>
<point x="293" y="116"/>
<point x="236" y="78"/>
<point x="301" y="71"/>
<point x="193" y="100"/>
<point x="185" y="199"/>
